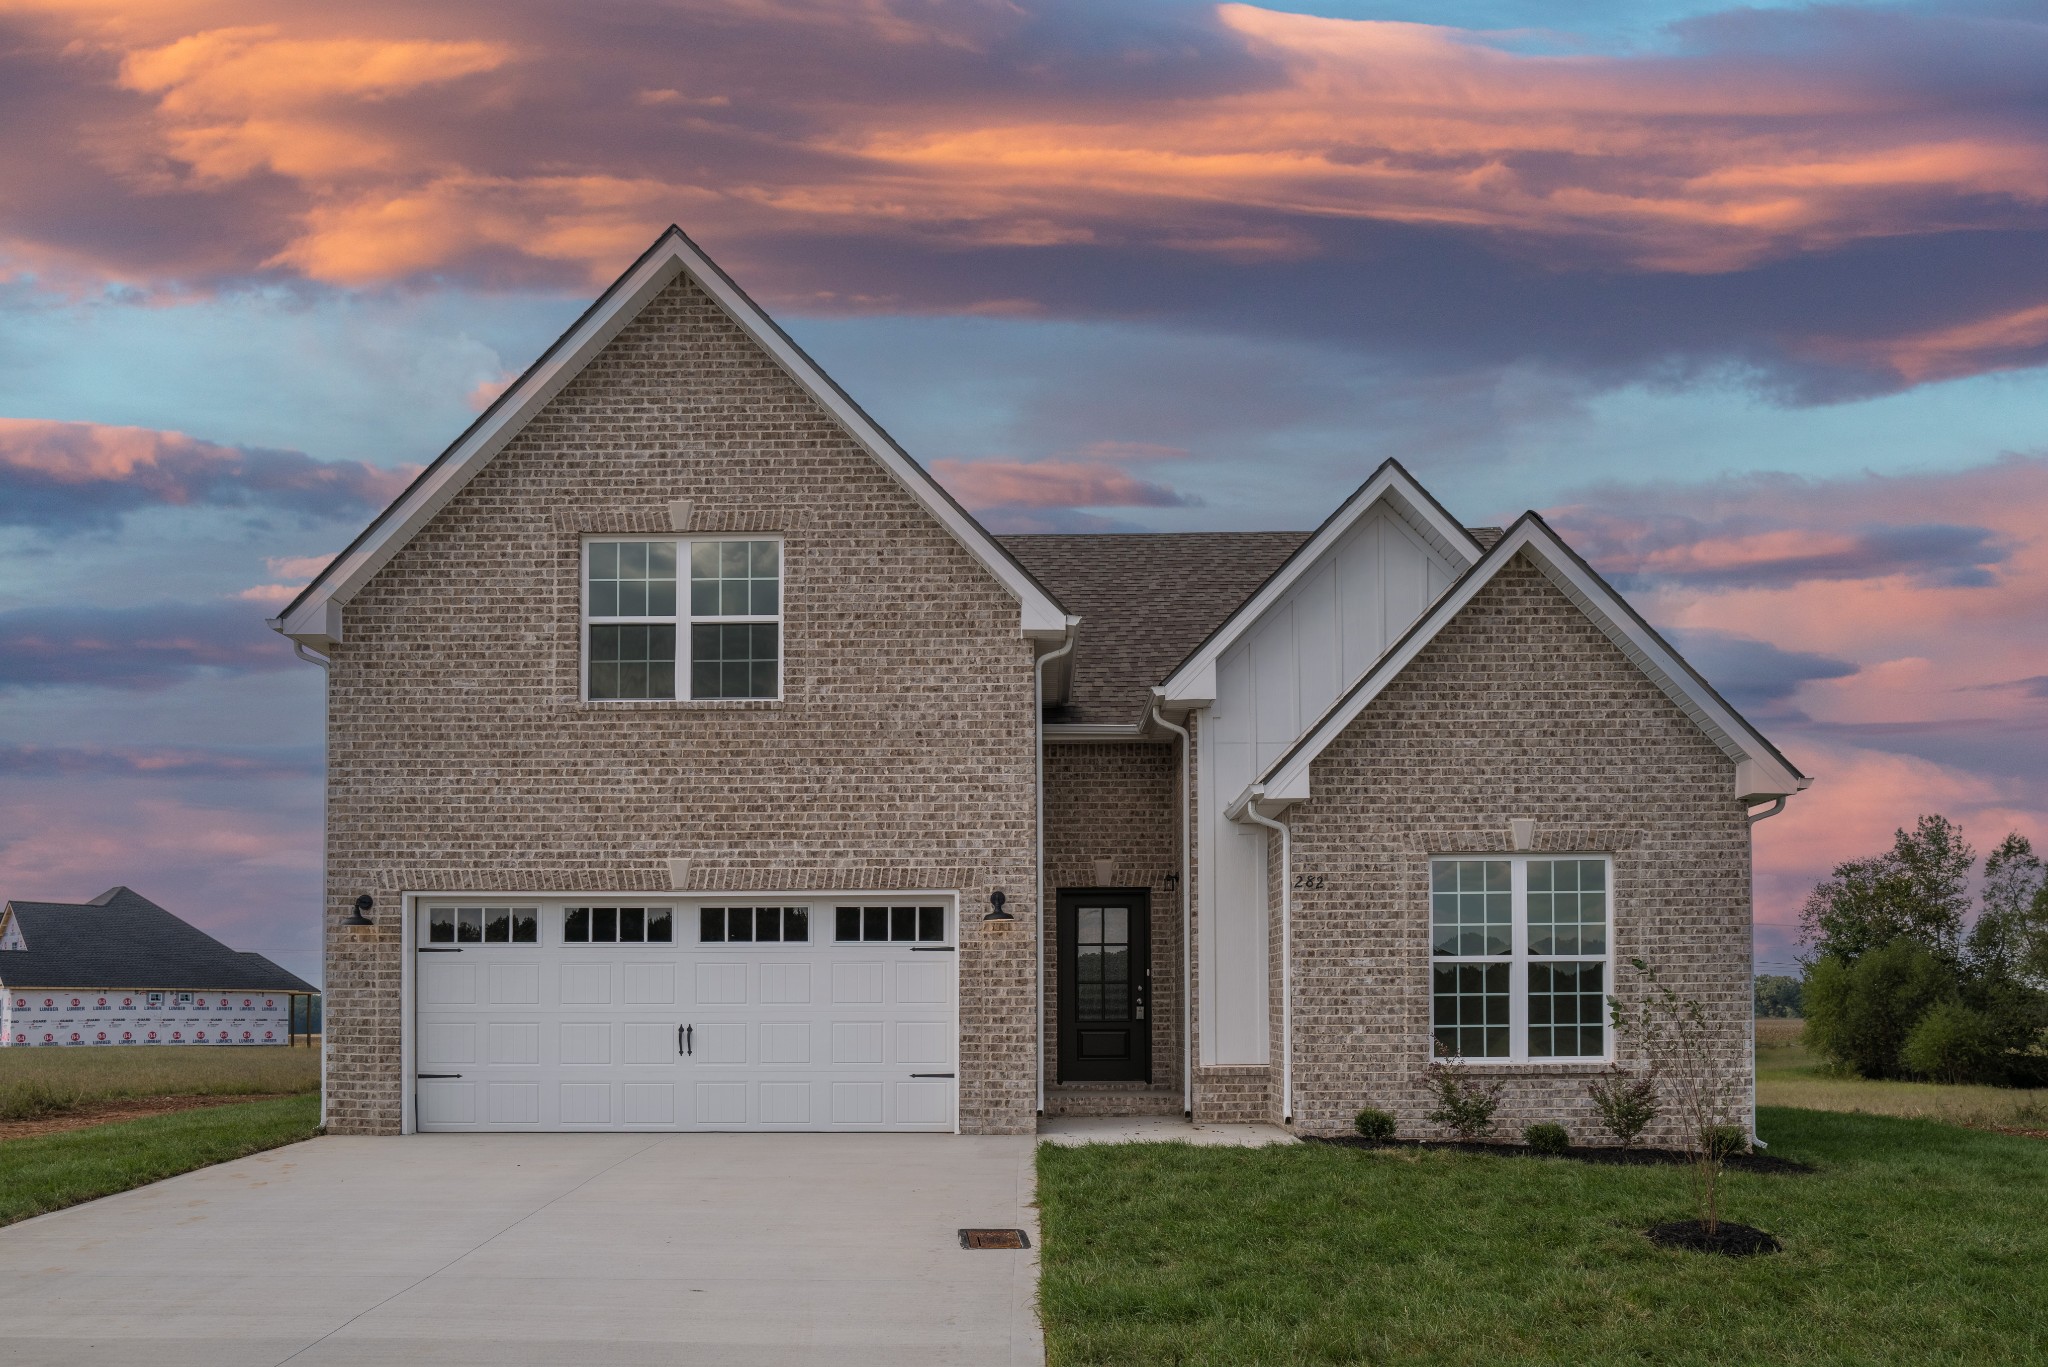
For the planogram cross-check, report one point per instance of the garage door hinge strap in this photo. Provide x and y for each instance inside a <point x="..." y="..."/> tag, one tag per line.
<point x="437" y="1075"/>
<point x="931" y="1074"/>
<point x="931" y="949"/>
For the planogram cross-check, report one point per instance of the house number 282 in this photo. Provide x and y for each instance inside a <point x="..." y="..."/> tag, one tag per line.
<point x="1311" y="882"/>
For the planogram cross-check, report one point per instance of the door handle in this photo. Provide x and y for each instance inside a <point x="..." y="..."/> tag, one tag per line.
<point x="679" y="1039"/>
<point x="686" y="1039"/>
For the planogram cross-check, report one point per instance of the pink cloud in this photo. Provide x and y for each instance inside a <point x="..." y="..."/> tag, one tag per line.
<point x="518" y="143"/>
<point x="65" y="476"/>
<point x="982" y="484"/>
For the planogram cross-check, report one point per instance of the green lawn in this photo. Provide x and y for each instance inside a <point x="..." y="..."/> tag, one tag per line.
<point x="36" y="1082"/>
<point x="49" y="1172"/>
<point x="1786" y="1075"/>
<point x="1915" y="1242"/>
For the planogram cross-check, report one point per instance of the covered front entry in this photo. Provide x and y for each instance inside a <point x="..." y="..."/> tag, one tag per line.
<point x="613" y="1013"/>
<point x="1105" y="985"/>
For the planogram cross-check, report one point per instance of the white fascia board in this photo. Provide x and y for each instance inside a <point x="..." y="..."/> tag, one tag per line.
<point x="314" y="618"/>
<point x="1761" y="772"/>
<point x="1193" y="682"/>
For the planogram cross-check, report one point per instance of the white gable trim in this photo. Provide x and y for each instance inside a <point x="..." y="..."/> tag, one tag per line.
<point x="1193" y="681"/>
<point x="315" y="617"/>
<point x="1761" y="772"/>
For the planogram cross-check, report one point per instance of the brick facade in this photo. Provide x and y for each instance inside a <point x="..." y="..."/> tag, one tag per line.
<point x="899" y="757"/>
<point x="1519" y="708"/>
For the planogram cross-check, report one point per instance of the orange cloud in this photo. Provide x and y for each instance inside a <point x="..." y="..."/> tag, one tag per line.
<point x="235" y="101"/>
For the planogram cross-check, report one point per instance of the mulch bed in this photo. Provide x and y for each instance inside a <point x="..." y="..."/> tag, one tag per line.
<point x="1617" y="1157"/>
<point x="1728" y="1239"/>
<point x="90" y="1113"/>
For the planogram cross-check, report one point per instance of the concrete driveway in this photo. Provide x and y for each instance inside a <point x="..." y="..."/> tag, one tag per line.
<point x="573" y="1249"/>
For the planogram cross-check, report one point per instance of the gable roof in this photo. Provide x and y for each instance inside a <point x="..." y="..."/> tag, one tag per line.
<point x="121" y="939"/>
<point x="315" y="616"/>
<point x="1192" y="683"/>
<point x="1148" y="598"/>
<point x="1761" y="770"/>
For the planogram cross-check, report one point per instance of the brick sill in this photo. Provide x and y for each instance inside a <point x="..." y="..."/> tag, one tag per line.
<point x="673" y="705"/>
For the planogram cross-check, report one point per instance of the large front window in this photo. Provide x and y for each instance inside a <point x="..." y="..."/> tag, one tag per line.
<point x="1519" y="956"/>
<point x="647" y="635"/>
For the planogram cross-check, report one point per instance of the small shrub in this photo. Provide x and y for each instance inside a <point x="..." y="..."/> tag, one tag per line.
<point x="1724" y="1141"/>
<point x="1547" y="1138"/>
<point x="1372" y="1123"/>
<point x="1952" y="1043"/>
<point x="1464" y="1106"/>
<point x="34" y="1099"/>
<point x="1627" y="1102"/>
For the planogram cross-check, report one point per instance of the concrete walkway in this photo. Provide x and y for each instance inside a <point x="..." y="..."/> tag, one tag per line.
<point x="583" y="1250"/>
<point x="1070" y="1131"/>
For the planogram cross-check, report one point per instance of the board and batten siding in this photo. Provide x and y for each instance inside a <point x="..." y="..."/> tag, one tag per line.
<point x="1271" y="686"/>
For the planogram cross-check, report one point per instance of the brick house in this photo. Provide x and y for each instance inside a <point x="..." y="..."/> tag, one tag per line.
<point x="705" y="765"/>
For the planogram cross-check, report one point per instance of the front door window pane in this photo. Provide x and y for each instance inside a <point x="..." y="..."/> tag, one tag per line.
<point x="1102" y="964"/>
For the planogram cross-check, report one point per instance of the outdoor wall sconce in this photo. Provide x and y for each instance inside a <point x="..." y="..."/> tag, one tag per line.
<point x="1172" y="882"/>
<point x="995" y="903"/>
<point x="357" y="917"/>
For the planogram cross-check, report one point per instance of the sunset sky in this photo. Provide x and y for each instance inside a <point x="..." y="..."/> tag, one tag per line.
<point x="1753" y="303"/>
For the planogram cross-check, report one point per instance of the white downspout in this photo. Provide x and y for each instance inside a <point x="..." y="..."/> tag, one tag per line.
<point x="326" y="707"/>
<point x="1038" y="907"/>
<point x="1251" y="812"/>
<point x="1187" y="950"/>
<point x="1765" y="815"/>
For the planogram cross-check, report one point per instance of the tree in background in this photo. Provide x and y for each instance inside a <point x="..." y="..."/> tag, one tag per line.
<point x="1918" y="890"/>
<point x="1861" y="1013"/>
<point x="1778" y="996"/>
<point x="2010" y="938"/>
<point x="1896" y="988"/>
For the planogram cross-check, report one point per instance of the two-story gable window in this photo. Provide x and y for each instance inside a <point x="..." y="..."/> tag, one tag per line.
<point x="650" y="634"/>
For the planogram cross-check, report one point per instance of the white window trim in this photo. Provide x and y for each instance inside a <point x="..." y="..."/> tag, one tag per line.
<point x="1518" y="958"/>
<point x="683" y="620"/>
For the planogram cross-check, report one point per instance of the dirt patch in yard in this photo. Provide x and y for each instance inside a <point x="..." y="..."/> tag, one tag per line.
<point x="90" y="1113"/>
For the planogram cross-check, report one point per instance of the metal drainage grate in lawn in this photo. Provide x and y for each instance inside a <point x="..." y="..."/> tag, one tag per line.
<point x="994" y="1238"/>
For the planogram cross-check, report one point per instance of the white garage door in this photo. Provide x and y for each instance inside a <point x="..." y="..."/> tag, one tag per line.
<point x="605" y="1014"/>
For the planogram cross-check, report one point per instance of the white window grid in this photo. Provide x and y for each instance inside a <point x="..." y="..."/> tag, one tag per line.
<point x="683" y="618"/>
<point x="1519" y="959"/>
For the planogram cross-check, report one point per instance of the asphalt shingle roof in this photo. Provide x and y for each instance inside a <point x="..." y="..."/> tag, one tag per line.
<point x="1145" y="600"/>
<point x="122" y="939"/>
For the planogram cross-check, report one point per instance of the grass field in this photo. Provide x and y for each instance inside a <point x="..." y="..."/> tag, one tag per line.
<point x="40" y="1082"/>
<point x="49" y="1172"/>
<point x="1787" y="1076"/>
<point x="1915" y="1242"/>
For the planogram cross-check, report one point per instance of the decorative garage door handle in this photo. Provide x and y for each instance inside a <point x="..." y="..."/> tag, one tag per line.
<point x="686" y="1039"/>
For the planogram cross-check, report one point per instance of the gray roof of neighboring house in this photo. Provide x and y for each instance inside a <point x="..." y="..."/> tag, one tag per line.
<point x="122" y="939"/>
<point x="1145" y="600"/>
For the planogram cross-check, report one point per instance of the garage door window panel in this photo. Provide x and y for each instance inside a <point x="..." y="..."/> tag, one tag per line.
<point x="754" y="925"/>
<point x="483" y="925"/>
<point x="889" y="925"/>
<point x="618" y="925"/>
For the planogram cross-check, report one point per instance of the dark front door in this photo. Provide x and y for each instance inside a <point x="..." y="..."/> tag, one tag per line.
<point x="1105" y="985"/>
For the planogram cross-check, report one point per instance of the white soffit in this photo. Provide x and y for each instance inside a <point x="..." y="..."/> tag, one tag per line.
<point x="1193" y="681"/>
<point x="315" y="617"/>
<point x="1761" y="771"/>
